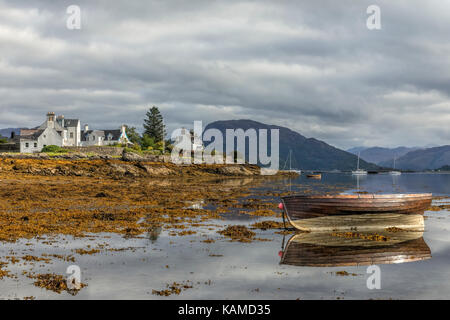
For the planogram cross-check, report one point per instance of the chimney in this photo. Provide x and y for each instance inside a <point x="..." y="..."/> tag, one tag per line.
<point x="86" y="127"/>
<point x="50" y="116"/>
<point x="61" y="120"/>
<point x="50" y="119"/>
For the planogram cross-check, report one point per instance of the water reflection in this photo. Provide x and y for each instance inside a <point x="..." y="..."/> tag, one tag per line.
<point x="195" y="205"/>
<point x="153" y="233"/>
<point x="335" y="249"/>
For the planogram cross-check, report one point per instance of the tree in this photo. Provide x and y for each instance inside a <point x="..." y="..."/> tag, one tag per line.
<point x="147" y="142"/>
<point x="154" y="125"/>
<point x="133" y="135"/>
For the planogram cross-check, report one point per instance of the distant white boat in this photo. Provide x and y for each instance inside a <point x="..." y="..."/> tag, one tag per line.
<point x="395" y="172"/>
<point x="290" y="165"/>
<point x="358" y="171"/>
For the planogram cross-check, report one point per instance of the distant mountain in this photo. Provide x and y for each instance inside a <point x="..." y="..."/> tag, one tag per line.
<point x="307" y="153"/>
<point x="380" y="155"/>
<point x="431" y="158"/>
<point x="355" y="150"/>
<point x="7" y="132"/>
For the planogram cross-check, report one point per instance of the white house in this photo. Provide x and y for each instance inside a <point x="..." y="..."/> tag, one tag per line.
<point x="54" y="131"/>
<point x="66" y="133"/>
<point x="104" y="137"/>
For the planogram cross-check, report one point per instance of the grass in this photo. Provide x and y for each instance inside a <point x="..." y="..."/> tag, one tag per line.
<point x="52" y="149"/>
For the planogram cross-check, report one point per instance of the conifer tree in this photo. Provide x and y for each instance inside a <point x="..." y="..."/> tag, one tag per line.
<point x="154" y="125"/>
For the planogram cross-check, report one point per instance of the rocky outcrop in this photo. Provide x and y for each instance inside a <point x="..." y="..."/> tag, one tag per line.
<point x="134" y="157"/>
<point x="131" y="156"/>
<point x="118" y="169"/>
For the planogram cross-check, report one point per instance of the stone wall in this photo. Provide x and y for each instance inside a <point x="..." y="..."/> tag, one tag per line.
<point x="9" y="147"/>
<point x="99" y="150"/>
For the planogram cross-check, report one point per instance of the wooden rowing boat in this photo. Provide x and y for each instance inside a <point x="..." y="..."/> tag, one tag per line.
<point x="363" y="211"/>
<point x="335" y="250"/>
<point x="314" y="176"/>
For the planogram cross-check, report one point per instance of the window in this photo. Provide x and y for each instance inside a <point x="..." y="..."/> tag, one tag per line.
<point x="35" y="144"/>
<point x="71" y="135"/>
<point x="27" y="145"/>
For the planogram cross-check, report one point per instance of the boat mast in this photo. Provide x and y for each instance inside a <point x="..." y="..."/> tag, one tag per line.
<point x="358" y="161"/>
<point x="290" y="160"/>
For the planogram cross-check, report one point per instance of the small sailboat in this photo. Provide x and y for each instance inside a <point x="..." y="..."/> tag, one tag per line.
<point x="290" y="164"/>
<point x="358" y="171"/>
<point x="395" y="172"/>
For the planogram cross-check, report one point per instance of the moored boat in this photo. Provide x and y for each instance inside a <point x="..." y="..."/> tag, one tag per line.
<point x="358" y="171"/>
<point x="329" y="211"/>
<point x="395" y="172"/>
<point x="314" y="176"/>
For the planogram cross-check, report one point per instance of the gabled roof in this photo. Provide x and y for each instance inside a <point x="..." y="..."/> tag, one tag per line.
<point x="71" y="123"/>
<point x="85" y="134"/>
<point x="57" y="126"/>
<point x="33" y="136"/>
<point x="115" y="134"/>
<point x="27" y="132"/>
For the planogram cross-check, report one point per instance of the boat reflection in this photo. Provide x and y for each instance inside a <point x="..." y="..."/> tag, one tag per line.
<point x="334" y="249"/>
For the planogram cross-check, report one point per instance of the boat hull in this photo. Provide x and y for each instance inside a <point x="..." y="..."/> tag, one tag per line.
<point x="360" y="222"/>
<point x="306" y="207"/>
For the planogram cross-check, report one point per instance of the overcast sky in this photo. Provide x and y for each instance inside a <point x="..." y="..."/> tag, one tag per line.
<point x="312" y="66"/>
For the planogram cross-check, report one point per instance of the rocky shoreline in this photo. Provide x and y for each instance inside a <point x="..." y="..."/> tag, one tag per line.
<point x="128" y="165"/>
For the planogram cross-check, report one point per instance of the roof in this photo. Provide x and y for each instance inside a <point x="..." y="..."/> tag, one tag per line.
<point x="27" y="132"/>
<point x="71" y="123"/>
<point x="85" y="134"/>
<point x="115" y="134"/>
<point x="32" y="136"/>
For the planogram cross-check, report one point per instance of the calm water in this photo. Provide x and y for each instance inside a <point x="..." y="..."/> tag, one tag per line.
<point x="234" y="270"/>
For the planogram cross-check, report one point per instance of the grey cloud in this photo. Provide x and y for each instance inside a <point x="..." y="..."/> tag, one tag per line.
<point x="312" y="66"/>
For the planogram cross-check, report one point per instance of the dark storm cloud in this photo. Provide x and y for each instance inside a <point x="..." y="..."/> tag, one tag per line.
<point x="310" y="65"/>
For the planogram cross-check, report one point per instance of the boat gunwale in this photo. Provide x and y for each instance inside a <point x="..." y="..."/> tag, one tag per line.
<point x="365" y="196"/>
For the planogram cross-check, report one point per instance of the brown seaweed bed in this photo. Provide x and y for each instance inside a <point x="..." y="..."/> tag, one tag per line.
<point x="42" y="199"/>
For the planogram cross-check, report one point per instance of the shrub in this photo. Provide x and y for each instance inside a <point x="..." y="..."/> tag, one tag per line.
<point x="54" y="149"/>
